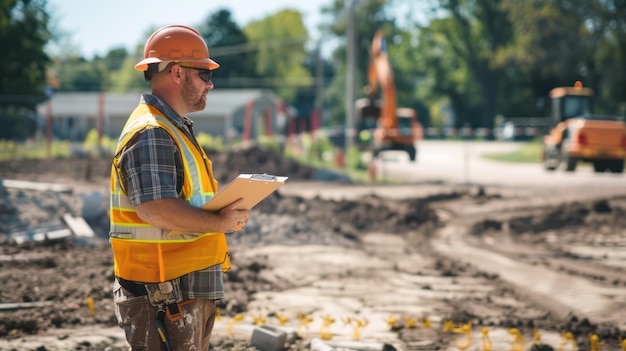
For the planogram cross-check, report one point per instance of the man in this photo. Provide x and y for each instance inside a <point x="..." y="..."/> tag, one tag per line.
<point x="169" y="254"/>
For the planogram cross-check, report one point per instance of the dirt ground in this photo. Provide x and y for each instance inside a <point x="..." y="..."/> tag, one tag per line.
<point x="388" y="262"/>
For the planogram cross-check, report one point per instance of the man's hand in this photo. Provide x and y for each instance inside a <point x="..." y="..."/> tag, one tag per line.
<point x="233" y="218"/>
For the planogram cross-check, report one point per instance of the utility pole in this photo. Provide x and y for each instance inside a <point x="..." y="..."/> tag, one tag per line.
<point x="319" y="86"/>
<point x="350" y="76"/>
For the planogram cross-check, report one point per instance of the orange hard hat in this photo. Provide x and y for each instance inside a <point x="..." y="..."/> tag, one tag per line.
<point x="179" y="44"/>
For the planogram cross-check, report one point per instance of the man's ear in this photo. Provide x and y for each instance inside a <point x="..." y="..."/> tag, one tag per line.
<point x="175" y="72"/>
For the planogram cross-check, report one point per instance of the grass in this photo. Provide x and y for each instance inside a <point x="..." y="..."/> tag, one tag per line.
<point x="529" y="152"/>
<point x="38" y="149"/>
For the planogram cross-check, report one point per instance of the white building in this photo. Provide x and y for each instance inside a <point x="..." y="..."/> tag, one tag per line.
<point x="73" y="115"/>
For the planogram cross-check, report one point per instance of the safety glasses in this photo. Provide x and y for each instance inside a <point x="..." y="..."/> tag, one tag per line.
<point x="204" y="73"/>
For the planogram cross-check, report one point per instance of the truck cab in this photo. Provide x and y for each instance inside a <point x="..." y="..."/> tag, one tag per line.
<point x="578" y="135"/>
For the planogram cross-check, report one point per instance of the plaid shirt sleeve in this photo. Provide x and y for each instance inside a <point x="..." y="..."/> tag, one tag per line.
<point x="151" y="168"/>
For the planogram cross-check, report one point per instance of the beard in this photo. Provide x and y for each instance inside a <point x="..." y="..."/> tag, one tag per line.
<point x="191" y="97"/>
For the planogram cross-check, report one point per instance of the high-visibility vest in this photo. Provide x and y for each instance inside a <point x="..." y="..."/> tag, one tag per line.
<point x="143" y="252"/>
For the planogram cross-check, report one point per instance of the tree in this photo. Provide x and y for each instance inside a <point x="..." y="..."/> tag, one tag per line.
<point x="127" y="78"/>
<point x="79" y="74"/>
<point x="548" y="46"/>
<point x="23" y="34"/>
<point x="114" y="59"/>
<point x="475" y="32"/>
<point x="611" y="49"/>
<point x="228" y="45"/>
<point x="446" y="79"/>
<point x="559" y="42"/>
<point x="608" y="24"/>
<point x="280" y="40"/>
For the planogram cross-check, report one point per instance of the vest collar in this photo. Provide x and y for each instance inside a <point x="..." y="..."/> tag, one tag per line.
<point x="166" y="110"/>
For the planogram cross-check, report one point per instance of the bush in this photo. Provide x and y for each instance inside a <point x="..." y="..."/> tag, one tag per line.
<point x="210" y="142"/>
<point x="16" y="124"/>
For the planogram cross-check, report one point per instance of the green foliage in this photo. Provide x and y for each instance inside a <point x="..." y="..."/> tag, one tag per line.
<point x="78" y="74"/>
<point x="403" y="54"/>
<point x="270" y="142"/>
<point x="210" y="142"/>
<point x="473" y="31"/>
<point x="106" y="145"/>
<point x="503" y="56"/>
<point x="306" y="141"/>
<point x="569" y="40"/>
<point x="115" y="58"/>
<point x="127" y="78"/>
<point x="321" y="145"/>
<point x="36" y="149"/>
<point x="16" y="122"/>
<point x="229" y="46"/>
<point x="23" y="34"/>
<point x="447" y="85"/>
<point x="354" y="159"/>
<point x="281" y="39"/>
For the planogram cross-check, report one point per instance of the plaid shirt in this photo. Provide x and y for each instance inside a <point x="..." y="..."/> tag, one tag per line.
<point x="151" y="169"/>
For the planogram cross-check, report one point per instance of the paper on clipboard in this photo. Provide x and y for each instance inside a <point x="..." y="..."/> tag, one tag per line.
<point x="253" y="188"/>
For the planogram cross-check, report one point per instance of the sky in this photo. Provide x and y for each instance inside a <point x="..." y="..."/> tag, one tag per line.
<point x="95" y="27"/>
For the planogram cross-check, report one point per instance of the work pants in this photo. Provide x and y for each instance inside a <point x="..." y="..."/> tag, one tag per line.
<point x="190" y="332"/>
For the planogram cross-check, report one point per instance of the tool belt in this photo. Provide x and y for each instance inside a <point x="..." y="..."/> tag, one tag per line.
<point x="163" y="295"/>
<point x="166" y="296"/>
<point x="134" y="288"/>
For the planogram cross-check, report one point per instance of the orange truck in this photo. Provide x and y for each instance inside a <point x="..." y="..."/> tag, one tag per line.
<point x="382" y="125"/>
<point x="578" y="135"/>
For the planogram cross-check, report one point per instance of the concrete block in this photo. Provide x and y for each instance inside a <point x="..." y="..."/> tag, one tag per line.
<point x="268" y="338"/>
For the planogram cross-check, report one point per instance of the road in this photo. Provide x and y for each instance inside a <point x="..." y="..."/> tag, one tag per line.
<point x="445" y="165"/>
<point x="461" y="162"/>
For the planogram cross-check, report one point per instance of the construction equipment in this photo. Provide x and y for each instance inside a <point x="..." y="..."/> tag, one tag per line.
<point x="382" y="125"/>
<point x="578" y="135"/>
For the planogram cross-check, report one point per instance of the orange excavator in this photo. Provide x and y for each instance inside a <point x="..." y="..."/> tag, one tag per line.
<point x="382" y="125"/>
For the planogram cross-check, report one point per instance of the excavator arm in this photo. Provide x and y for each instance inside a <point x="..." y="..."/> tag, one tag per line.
<point x="381" y="75"/>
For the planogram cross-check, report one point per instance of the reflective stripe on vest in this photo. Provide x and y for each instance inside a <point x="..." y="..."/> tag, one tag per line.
<point x="145" y="253"/>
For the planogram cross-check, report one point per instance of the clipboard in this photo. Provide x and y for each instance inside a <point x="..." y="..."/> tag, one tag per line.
<point x="253" y="188"/>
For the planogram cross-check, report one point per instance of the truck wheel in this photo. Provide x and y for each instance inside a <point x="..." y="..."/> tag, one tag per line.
<point x="549" y="158"/>
<point x="599" y="166"/>
<point x="412" y="153"/>
<point x="617" y="166"/>
<point x="570" y="163"/>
